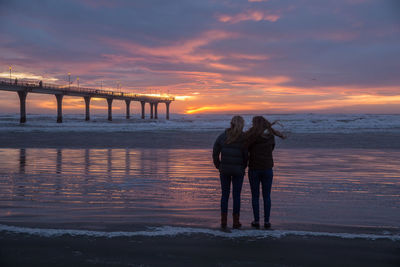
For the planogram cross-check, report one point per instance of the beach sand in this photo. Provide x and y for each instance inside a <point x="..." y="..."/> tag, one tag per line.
<point x="195" y="250"/>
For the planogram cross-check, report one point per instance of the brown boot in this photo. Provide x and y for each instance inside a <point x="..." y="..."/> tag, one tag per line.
<point x="224" y="219"/>
<point x="236" y="223"/>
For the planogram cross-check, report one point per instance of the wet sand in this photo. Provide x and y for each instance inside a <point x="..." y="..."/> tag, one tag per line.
<point x="195" y="250"/>
<point x="188" y="139"/>
<point x="198" y="249"/>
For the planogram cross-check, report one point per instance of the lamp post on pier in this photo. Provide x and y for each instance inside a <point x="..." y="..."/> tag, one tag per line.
<point x="10" y="73"/>
<point x="77" y="79"/>
<point x="69" y="80"/>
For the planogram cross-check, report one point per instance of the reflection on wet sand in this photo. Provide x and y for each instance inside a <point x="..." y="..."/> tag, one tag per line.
<point x="181" y="186"/>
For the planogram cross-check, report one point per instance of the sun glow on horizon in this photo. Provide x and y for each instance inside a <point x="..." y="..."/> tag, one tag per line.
<point x="25" y="75"/>
<point x="220" y="108"/>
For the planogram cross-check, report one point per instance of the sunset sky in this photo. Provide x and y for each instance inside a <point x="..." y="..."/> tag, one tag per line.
<point x="217" y="56"/>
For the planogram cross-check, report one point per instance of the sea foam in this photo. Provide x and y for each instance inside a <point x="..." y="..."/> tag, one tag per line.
<point x="165" y="231"/>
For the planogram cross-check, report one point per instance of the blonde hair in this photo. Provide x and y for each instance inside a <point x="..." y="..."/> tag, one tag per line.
<point x="236" y="130"/>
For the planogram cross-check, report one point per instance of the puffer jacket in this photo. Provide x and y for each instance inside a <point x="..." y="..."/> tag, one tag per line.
<point x="234" y="156"/>
<point x="260" y="151"/>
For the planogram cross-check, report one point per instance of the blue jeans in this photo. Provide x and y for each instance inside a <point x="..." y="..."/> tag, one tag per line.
<point x="265" y="178"/>
<point x="237" y="181"/>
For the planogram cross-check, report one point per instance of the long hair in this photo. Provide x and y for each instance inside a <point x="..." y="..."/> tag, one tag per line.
<point x="236" y="130"/>
<point x="260" y="124"/>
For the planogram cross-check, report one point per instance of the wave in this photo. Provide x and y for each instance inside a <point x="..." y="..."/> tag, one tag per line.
<point x="166" y="231"/>
<point x="296" y="123"/>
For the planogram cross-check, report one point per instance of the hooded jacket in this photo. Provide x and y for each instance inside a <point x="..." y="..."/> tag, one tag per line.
<point x="233" y="156"/>
<point x="260" y="152"/>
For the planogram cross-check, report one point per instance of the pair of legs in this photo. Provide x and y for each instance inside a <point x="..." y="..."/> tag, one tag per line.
<point x="263" y="177"/>
<point x="236" y="179"/>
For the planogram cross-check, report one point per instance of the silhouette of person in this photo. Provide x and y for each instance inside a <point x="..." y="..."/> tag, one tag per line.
<point x="231" y="159"/>
<point x="260" y="141"/>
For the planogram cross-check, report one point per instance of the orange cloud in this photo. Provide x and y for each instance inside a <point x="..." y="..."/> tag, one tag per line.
<point x="249" y="56"/>
<point x="254" y="15"/>
<point x="182" y="51"/>
<point x="224" y="66"/>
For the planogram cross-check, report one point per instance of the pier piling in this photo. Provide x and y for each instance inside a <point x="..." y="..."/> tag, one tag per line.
<point x="167" y="109"/>
<point x="155" y="110"/>
<point x="151" y="110"/>
<point x="59" y="98"/>
<point x="109" y="102"/>
<point x="143" y="104"/>
<point x="128" y="113"/>
<point x="87" y="105"/>
<point x="22" y="107"/>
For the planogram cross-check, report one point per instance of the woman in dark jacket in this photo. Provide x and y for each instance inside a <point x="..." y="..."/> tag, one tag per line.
<point x="260" y="141"/>
<point x="230" y="158"/>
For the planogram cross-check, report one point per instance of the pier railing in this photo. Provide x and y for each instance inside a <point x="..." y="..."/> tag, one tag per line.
<point x="65" y="89"/>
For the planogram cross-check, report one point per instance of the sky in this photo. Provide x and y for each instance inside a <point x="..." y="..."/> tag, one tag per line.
<point x="225" y="56"/>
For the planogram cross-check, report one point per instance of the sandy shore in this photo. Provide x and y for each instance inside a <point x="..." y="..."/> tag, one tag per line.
<point x="195" y="250"/>
<point x="182" y="139"/>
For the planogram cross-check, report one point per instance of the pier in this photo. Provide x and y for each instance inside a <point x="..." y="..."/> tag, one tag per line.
<point x="24" y="88"/>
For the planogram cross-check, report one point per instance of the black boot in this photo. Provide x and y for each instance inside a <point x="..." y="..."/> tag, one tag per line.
<point x="236" y="222"/>
<point x="224" y="219"/>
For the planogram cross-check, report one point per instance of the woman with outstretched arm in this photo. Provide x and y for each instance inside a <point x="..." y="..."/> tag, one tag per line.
<point x="260" y="141"/>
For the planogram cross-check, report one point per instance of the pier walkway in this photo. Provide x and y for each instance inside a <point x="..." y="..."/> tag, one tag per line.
<point x="23" y="88"/>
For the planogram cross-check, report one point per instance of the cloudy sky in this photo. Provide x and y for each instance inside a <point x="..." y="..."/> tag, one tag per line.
<point x="242" y="56"/>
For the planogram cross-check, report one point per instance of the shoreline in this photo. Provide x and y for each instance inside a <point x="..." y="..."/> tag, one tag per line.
<point x="284" y="228"/>
<point x="189" y="140"/>
<point x="156" y="230"/>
